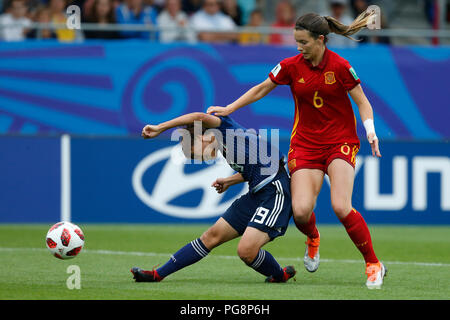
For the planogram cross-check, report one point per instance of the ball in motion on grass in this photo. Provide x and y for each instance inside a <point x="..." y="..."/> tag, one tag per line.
<point x="65" y="240"/>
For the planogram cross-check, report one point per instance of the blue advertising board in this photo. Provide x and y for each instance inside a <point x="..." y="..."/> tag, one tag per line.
<point x="140" y="181"/>
<point x="147" y="181"/>
<point x="29" y="179"/>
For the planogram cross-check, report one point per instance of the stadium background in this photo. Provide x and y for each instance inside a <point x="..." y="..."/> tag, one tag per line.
<point x="71" y="113"/>
<point x="102" y="94"/>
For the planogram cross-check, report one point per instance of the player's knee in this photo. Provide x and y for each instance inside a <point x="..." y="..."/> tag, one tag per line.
<point x="211" y="238"/>
<point x="247" y="253"/>
<point x="341" y="208"/>
<point x="302" y="211"/>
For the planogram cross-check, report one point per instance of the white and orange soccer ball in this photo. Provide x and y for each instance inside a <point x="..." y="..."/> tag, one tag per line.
<point x="65" y="240"/>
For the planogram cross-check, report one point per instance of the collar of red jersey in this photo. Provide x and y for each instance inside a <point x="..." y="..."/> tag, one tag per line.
<point x="322" y="63"/>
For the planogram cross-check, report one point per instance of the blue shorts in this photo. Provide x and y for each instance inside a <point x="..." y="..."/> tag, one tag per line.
<point x="268" y="210"/>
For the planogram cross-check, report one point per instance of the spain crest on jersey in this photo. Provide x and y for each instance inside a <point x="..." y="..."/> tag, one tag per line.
<point x="329" y="77"/>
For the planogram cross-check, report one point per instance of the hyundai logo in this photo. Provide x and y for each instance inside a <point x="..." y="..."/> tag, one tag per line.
<point x="173" y="182"/>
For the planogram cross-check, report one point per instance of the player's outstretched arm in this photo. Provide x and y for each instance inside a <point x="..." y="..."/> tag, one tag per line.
<point x="222" y="184"/>
<point x="254" y="94"/>
<point x="366" y="113"/>
<point x="209" y="121"/>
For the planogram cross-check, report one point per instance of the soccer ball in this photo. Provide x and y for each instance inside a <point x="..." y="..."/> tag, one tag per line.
<point x="65" y="240"/>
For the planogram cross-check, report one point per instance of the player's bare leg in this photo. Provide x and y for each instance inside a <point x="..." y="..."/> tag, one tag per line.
<point x="249" y="250"/>
<point x="305" y="188"/>
<point x="219" y="233"/>
<point x="342" y="175"/>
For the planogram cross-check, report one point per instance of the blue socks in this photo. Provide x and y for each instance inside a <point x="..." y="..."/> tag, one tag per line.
<point x="189" y="254"/>
<point x="266" y="264"/>
<point x="195" y="250"/>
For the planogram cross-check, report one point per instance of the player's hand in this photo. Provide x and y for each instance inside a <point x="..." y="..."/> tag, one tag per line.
<point x="221" y="185"/>
<point x="150" y="131"/>
<point x="219" y="111"/>
<point x="373" y="140"/>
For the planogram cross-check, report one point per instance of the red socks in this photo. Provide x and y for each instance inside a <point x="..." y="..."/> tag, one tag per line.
<point x="356" y="228"/>
<point x="309" y="228"/>
<point x="359" y="233"/>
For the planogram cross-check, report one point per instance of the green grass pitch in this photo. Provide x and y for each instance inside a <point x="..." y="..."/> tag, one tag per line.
<point x="417" y="257"/>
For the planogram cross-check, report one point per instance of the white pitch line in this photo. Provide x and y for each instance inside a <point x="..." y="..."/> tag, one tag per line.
<point x="156" y="254"/>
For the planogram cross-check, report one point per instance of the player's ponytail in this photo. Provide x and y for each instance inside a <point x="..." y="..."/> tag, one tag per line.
<point x="359" y="23"/>
<point x="319" y="25"/>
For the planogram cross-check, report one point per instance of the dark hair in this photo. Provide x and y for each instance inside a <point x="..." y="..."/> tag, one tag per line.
<point x="190" y="128"/>
<point x="256" y="11"/>
<point x="9" y="3"/>
<point x="93" y="17"/>
<point x="320" y="25"/>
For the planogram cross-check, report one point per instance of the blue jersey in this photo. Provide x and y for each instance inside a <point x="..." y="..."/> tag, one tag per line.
<point x="249" y="153"/>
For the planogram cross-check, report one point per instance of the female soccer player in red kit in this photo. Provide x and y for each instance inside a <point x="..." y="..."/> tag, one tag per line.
<point x="324" y="138"/>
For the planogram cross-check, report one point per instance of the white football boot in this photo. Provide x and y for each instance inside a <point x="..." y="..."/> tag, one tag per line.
<point x="312" y="256"/>
<point x="375" y="275"/>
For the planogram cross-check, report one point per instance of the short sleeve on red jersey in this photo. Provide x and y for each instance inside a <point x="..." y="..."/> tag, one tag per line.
<point x="280" y="74"/>
<point x="348" y="76"/>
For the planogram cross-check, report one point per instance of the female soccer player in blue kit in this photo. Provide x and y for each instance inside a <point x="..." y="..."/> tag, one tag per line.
<point x="259" y="216"/>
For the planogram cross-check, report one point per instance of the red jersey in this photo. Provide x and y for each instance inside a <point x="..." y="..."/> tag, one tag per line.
<point x="323" y="111"/>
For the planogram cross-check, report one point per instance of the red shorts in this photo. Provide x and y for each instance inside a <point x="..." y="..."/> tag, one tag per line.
<point x="307" y="158"/>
